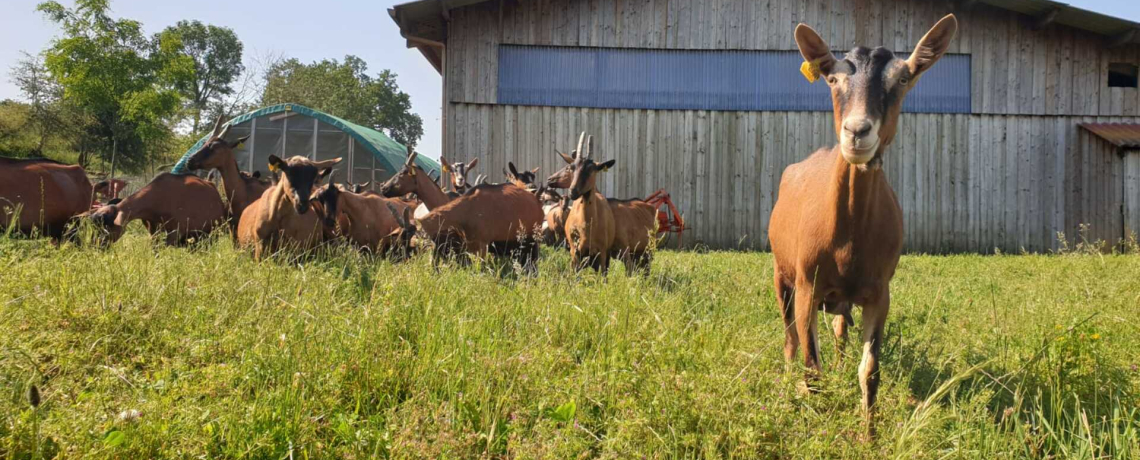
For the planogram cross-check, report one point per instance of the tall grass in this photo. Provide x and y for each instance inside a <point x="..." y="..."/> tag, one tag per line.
<point x="143" y="351"/>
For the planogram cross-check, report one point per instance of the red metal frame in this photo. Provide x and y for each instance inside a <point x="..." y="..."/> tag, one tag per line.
<point x="668" y="220"/>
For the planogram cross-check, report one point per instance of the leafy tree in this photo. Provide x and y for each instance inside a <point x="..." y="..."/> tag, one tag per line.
<point x="125" y="82"/>
<point x="32" y="77"/>
<point x="216" y="52"/>
<point x="346" y="90"/>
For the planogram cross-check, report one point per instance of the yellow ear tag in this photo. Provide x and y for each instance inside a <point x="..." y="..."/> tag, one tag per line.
<point x="810" y="71"/>
<point x="273" y="168"/>
<point x="240" y="145"/>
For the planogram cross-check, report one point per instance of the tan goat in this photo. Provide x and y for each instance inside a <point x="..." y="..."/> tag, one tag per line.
<point x="281" y="216"/>
<point x="368" y="221"/>
<point x="218" y="154"/>
<point x="598" y="228"/>
<point x="502" y="219"/>
<point x="837" y="229"/>
<point x="177" y="206"/>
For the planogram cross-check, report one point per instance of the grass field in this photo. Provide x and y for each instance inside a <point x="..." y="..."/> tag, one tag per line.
<point x="141" y="351"/>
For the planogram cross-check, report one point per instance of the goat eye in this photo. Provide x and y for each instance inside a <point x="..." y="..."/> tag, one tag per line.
<point x="832" y="80"/>
<point x="904" y="80"/>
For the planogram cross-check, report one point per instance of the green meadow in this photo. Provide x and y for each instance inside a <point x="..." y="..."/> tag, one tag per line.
<point x="142" y="351"/>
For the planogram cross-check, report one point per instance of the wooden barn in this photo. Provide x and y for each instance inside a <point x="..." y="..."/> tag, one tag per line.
<point x="1028" y="127"/>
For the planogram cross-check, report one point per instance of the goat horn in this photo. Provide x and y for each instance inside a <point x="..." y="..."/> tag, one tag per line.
<point x="326" y="163"/>
<point x="581" y="139"/>
<point x="396" y="214"/>
<point x="589" y="147"/>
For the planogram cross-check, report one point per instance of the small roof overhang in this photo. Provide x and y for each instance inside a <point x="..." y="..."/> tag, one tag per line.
<point x="1123" y="135"/>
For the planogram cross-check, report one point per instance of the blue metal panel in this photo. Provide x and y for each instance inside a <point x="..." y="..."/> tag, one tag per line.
<point x="695" y="79"/>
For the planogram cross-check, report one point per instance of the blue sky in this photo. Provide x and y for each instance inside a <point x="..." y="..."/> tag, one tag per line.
<point x="308" y="31"/>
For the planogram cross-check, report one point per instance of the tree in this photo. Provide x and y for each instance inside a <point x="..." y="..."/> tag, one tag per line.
<point x="347" y="91"/>
<point x="43" y="94"/>
<point x="110" y="71"/>
<point x="216" y="52"/>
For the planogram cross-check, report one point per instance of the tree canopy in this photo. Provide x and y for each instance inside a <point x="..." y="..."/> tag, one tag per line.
<point x="345" y="89"/>
<point x="110" y="70"/>
<point x="216" y="53"/>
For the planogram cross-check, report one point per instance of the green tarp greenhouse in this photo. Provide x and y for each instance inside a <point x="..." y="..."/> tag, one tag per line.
<point x="286" y="130"/>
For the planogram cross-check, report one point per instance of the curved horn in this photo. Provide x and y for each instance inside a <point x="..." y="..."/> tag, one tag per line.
<point x="326" y="163"/>
<point x="581" y="141"/>
<point x="396" y="214"/>
<point x="589" y="147"/>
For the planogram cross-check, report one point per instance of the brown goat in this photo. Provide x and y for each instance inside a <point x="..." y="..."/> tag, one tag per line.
<point x="634" y="220"/>
<point x="178" y="206"/>
<point x="368" y="221"/>
<point x="280" y="217"/>
<point x="218" y="154"/>
<point x="48" y="194"/>
<point x="836" y="230"/>
<point x="503" y="218"/>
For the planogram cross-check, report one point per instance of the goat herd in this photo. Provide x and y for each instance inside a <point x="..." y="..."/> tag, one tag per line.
<point x="304" y="207"/>
<point x="835" y="232"/>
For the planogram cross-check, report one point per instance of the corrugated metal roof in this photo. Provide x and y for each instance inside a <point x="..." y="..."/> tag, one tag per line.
<point x="1119" y="134"/>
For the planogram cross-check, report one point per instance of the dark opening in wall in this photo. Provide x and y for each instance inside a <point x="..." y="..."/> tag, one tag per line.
<point x="1122" y="75"/>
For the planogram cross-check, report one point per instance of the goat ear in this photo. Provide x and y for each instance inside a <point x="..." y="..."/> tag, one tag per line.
<point x="238" y="143"/>
<point x="472" y="164"/>
<point x="218" y="126"/>
<point x="606" y="166"/>
<point x="933" y="45"/>
<point x="514" y="172"/>
<point x="535" y="171"/>
<point x="276" y="163"/>
<point x="567" y="158"/>
<point x="444" y="164"/>
<point x="814" y="49"/>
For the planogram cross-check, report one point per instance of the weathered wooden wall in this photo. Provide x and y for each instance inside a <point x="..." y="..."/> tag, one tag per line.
<point x="1016" y="70"/>
<point x="965" y="182"/>
<point x="1132" y="192"/>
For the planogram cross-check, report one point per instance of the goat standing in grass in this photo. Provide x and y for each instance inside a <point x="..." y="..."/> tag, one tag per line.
<point x="836" y="230"/>
<point x="598" y="228"/>
<point x="218" y="154"/>
<point x="504" y="218"/>
<point x="178" y="206"/>
<point x="367" y="220"/>
<point x="281" y="216"/>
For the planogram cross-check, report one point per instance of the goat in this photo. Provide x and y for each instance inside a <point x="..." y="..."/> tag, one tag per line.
<point x="458" y="172"/>
<point x="218" y="154"/>
<point x="280" y="217"/>
<point x="41" y="195"/>
<point x="109" y="189"/>
<point x="500" y="217"/>
<point x="554" y="207"/>
<point x="634" y="220"/>
<point x="368" y="221"/>
<point x="178" y="206"/>
<point x="836" y="230"/>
